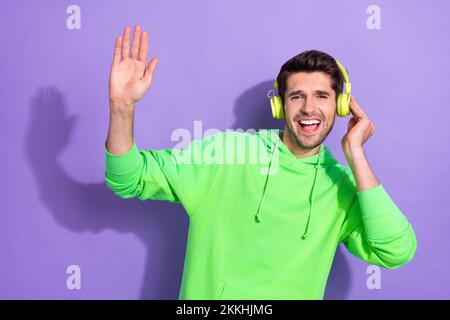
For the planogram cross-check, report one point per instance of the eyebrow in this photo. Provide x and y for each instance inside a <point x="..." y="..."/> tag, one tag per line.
<point x="324" y="92"/>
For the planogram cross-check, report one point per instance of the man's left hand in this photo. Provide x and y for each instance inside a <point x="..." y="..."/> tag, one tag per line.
<point x="360" y="129"/>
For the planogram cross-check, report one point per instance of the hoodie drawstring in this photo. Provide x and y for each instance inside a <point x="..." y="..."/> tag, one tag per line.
<point x="311" y="200"/>
<point x="258" y="216"/>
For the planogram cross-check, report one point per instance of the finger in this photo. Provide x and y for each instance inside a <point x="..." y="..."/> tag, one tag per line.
<point x="135" y="43"/>
<point x="117" y="50"/>
<point x="369" y="132"/>
<point x="150" y="70"/>
<point x="143" y="49"/>
<point x="356" y="109"/>
<point x="351" y="124"/>
<point x="368" y="136"/>
<point x="126" y="43"/>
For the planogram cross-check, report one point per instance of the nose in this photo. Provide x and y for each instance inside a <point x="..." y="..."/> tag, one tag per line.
<point x="308" y="106"/>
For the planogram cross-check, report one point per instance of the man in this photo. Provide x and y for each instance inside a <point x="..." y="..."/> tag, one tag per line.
<point x="256" y="234"/>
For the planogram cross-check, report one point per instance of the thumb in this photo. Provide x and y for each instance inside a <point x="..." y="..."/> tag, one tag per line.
<point x="150" y="71"/>
<point x="351" y="124"/>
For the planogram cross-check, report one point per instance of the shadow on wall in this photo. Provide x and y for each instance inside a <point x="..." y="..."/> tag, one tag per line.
<point x="93" y="207"/>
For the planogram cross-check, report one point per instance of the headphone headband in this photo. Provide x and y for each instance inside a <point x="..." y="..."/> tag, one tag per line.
<point x="348" y="88"/>
<point x="344" y="71"/>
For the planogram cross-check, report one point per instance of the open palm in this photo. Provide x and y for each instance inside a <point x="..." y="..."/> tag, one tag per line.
<point x="130" y="78"/>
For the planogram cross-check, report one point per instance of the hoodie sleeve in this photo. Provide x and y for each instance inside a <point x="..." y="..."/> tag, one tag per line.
<point x="376" y="231"/>
<point x="177" y="176"/>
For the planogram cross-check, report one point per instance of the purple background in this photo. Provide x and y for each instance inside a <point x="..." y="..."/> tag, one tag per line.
<point x="217" y="59"/>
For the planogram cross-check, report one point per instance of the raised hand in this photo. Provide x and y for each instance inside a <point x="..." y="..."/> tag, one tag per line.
<point x="130" y="78"/>
<point x="360" y="128"/>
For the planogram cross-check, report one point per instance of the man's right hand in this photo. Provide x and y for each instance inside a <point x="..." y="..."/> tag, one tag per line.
<point x="130" y="78"/>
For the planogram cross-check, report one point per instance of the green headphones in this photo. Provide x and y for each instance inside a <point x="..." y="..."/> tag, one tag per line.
<point x="343" y="100"/>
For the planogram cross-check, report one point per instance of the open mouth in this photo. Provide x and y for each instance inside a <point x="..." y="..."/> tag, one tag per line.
<point x="309" y="126"/>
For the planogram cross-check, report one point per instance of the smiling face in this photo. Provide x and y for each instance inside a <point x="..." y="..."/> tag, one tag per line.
<point x="310" y="110"/>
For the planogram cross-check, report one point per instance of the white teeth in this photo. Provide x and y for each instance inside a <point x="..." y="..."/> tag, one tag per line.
<point x="309" y="121"/>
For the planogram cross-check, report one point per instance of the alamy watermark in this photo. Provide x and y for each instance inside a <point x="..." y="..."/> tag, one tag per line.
<point x="374" y="280"/>
<point x="229" y="147"/>
<point x="73" y="21"/>
<point x="73" y="281"/>
<point x="373" y="21"/>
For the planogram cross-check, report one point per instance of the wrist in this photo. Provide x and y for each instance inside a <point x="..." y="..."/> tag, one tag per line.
<point x="354" y="153"/>
<point x="356" y="149"/>
<point x="121" y="108"/>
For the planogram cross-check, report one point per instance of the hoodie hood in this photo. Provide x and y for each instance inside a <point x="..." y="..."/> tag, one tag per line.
<point x="280" y="152"/>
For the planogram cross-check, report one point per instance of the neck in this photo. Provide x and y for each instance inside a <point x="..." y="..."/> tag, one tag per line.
<point x="297" y="150"/>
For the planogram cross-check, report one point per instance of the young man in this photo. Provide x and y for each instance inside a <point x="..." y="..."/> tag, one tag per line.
<point x="253" y="233"/>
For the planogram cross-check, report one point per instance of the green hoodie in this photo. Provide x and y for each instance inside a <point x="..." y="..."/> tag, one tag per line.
<point x="264" y="229"/>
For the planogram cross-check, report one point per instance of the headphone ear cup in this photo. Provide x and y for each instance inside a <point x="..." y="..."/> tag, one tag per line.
<point x="277" y="107"/>
<point x="343" y="107"/>
<point x="338" y="105"/>
<point x="280" y="108"/>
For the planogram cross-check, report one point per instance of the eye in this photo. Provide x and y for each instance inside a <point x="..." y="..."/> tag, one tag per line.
<point x="322" y="97"/>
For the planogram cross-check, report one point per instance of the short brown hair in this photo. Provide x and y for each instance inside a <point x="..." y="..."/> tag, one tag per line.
<point x="310" y="61"/>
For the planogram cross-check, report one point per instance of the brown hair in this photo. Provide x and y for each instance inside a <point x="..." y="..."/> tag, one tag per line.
<point x="310" y="61"/>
